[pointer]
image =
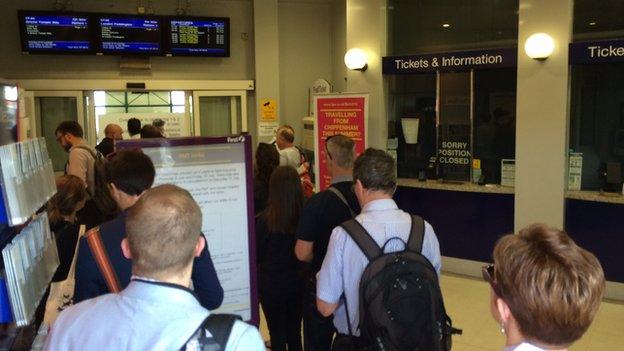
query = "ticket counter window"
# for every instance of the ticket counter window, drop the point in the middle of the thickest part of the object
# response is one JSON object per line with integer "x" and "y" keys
{"x": 442, "y": 120}
{"x": 596, "y": 139}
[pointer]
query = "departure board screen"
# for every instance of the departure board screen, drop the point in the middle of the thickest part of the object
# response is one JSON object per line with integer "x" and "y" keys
{"x": 195, "y": 36}
{"x": 129, "y": 35}
{"x": 52, "y": 32}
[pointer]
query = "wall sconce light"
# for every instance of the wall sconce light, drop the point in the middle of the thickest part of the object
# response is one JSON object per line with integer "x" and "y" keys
{"x": 539, "y": 46}
{"x": 356, "y": 59}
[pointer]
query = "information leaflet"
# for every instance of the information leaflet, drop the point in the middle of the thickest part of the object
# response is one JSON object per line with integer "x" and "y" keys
{"x": 217, "y": 172}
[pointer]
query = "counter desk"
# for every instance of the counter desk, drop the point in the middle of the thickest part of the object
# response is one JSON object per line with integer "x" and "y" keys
{"x": 469, "y": 218}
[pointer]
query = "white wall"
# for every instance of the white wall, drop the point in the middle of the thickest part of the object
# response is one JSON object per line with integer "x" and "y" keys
{"x": 339, "y": 45}
{"x": 238, "y": 66}
{"x": 305, "y": 55}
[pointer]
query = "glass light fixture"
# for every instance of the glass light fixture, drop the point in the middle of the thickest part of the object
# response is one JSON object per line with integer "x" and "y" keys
{"x": 356, "y": 59}
{"x": 539, "y": 46}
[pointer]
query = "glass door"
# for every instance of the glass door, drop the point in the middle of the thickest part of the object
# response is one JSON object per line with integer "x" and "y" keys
{"x": 52, "y": 108}
{"x": 218, "y": 113}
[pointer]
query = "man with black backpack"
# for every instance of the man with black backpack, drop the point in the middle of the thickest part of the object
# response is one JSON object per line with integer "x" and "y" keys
{"x": 380, "y": 274}
{"x": 157, "y": 311}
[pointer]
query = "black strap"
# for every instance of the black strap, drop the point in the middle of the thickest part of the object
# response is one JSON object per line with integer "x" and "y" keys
{"x": 220, "y": 327}
{"x": 342, "y": 198}
{"x": 363, "y": 240}
{"x": 417, "y": 234}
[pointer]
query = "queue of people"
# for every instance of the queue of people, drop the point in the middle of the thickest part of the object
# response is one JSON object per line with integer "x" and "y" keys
{"x": 313, "y": 267}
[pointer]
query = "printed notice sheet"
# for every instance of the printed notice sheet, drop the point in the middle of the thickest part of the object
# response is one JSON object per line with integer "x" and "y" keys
{"x": 215, "y": 176}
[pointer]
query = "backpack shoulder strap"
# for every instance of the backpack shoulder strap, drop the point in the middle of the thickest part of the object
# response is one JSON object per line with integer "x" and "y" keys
{"x": 363, "y": 240}
{"x": 417, "y": 234}
{"x": 94, "y": 153}
{"x": 220, "y": 326}
{"x": 343, "y": 199}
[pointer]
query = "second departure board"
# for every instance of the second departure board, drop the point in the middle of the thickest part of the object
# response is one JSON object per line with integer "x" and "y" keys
{"x": 50, "y": 32}
{"x": 129, "y": 34}
{"x": 194, "y": 36}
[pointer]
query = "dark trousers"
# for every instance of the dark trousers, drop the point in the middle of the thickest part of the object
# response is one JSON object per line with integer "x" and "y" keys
{"x": 318, "y": 331}
{"x": 283, "y": 317}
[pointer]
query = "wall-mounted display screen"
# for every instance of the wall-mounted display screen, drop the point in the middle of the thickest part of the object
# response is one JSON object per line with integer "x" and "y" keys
{"x": 196, "y": 36}
{"x": 129, "y": 34}
{"x": 53, "y": 32}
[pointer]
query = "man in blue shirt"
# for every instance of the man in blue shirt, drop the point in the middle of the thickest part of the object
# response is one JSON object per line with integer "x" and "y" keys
{"x": 129, "y": 174}
{"x": 375, "y": 182}
{"x": 156, "y": 311}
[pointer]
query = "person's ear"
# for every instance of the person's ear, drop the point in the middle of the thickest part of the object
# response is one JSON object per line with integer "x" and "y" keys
{"x": 125, "y": 249}
{"x": 503, "y": 311}
{"x": 199, "y": 247}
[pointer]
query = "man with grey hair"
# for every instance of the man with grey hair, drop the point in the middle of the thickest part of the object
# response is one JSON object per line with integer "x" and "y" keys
{"x": 375, "y": 182}
{"x": 322, "y": 213}
{"x": 157, "y": 311}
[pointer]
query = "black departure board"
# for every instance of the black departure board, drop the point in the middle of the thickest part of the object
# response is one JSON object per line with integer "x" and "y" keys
{"x": 129, "y": 34}
{"x": 195, "y": 36}
{"x": 53, "y": 32}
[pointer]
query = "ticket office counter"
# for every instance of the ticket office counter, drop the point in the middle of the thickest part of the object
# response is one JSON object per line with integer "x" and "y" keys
{"x": 468, "y": 220}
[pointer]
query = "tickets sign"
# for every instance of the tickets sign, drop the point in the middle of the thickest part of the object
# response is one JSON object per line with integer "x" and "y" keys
{"x": 344, "y": 114}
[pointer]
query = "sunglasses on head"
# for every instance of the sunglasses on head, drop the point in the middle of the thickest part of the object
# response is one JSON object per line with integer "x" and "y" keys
{"x": 488, "y": 276}
{"x": 326, "y": 142}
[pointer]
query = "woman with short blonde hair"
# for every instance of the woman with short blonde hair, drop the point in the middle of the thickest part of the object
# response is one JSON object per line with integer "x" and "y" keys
{"x": 546, "y": 290}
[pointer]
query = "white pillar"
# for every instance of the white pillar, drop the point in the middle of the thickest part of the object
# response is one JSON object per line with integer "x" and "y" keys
{"x": 542, "y": 115}
{"x": 366, "y": 29}
{"x": 266, "y": 46}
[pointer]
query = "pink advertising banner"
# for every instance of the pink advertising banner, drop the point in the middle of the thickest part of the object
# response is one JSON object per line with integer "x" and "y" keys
{"x": 344, "y": 114}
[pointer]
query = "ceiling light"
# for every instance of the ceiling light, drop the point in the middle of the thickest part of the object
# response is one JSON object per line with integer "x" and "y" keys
{"x": 446, "y": 25}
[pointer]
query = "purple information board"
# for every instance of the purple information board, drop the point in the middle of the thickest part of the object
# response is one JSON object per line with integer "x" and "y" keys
{"x": 604, "y": 51}
{"x": 218, "y": 173}
{"x": 451, "y": 61}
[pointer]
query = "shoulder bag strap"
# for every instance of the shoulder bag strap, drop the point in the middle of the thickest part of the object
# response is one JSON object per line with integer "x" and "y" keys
{"x": 72, "y": 268}
{"x": 417, "y": 234}
{"x": 343, "y": 199}
{"x": 101, "y": 258}
{"x": 363, "y": 240}
{"x": 85, "y": 147}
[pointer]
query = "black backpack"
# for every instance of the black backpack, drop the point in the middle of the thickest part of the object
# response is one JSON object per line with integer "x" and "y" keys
{"x": 401, "y": 306}
{"x": 100, "y": 195}
{"x": 219, "y": 326}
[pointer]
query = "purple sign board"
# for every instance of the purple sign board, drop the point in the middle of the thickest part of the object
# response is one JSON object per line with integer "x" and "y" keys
{"x": 451, "y": 61}
{"x": 605, "y": 51}
{"x": 218, "y": 174}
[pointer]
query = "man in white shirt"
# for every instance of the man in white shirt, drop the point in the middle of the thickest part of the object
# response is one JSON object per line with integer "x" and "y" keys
{"x": 374, "y": 176}
{"x": 289, "y": 154}
{"x": 157, "y": 311}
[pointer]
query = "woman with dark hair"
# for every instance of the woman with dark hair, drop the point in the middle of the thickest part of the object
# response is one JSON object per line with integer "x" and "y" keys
{"x": 280, "y": 280}
{"x": 267, "y": 159}
{"x": 70, "y": 197}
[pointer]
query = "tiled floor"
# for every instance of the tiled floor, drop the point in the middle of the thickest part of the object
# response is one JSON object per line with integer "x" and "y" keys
{"x": 467, "y": 302}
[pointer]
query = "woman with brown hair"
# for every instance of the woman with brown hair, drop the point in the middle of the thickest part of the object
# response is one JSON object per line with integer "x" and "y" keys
{"x": 280, "y": 280}
{"x": 62, "y": 207}
{"x": 267, "y": 159}
{"x": 546, "y": 290}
